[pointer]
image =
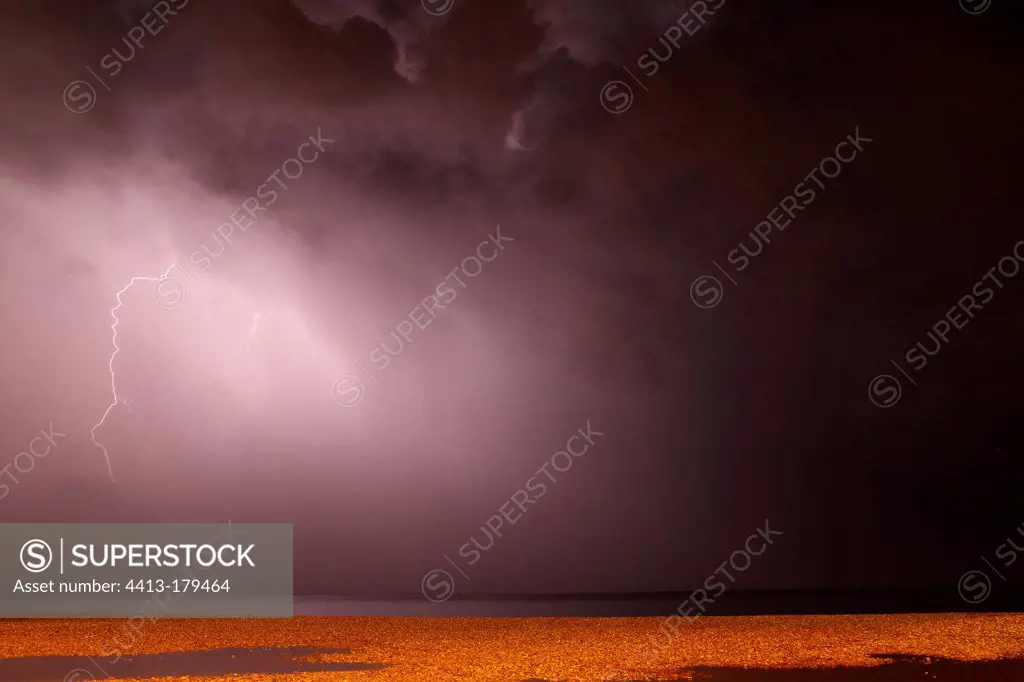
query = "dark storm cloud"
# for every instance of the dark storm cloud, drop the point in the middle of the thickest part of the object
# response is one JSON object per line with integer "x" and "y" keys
{"x": 592, "y": 33}
{"x": 408, "y": 25}
{"x": 445, "y": 127}
{"x": 167, "y": 155}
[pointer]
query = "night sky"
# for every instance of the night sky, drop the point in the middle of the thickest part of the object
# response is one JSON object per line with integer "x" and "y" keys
{"x": 438, "y": 126}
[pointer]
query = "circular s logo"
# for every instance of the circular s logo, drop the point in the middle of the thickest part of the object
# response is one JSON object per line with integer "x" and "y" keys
{"x": 974, "y": 587}
{"x": 438, "y": 8}
{"x": 438, "y": 585}
{"x": 975, "y": 6}
{"x": 706, "y": 291}
{"x": 884, "y": 390}
{"x": 616, "y": 97}
{"x": 348, "y": 391}
{"x": 36, "y": 556}
{"x": 168, "y": 292}
{"x": 79, "y": 675}
{"x": 79, "y": 97}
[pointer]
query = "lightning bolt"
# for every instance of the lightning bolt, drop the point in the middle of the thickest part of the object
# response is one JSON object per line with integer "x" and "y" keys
{"x": 110, "y": 364}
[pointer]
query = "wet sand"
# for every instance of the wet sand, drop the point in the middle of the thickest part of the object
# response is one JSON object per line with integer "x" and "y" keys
{"x": 890, "y": 648}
